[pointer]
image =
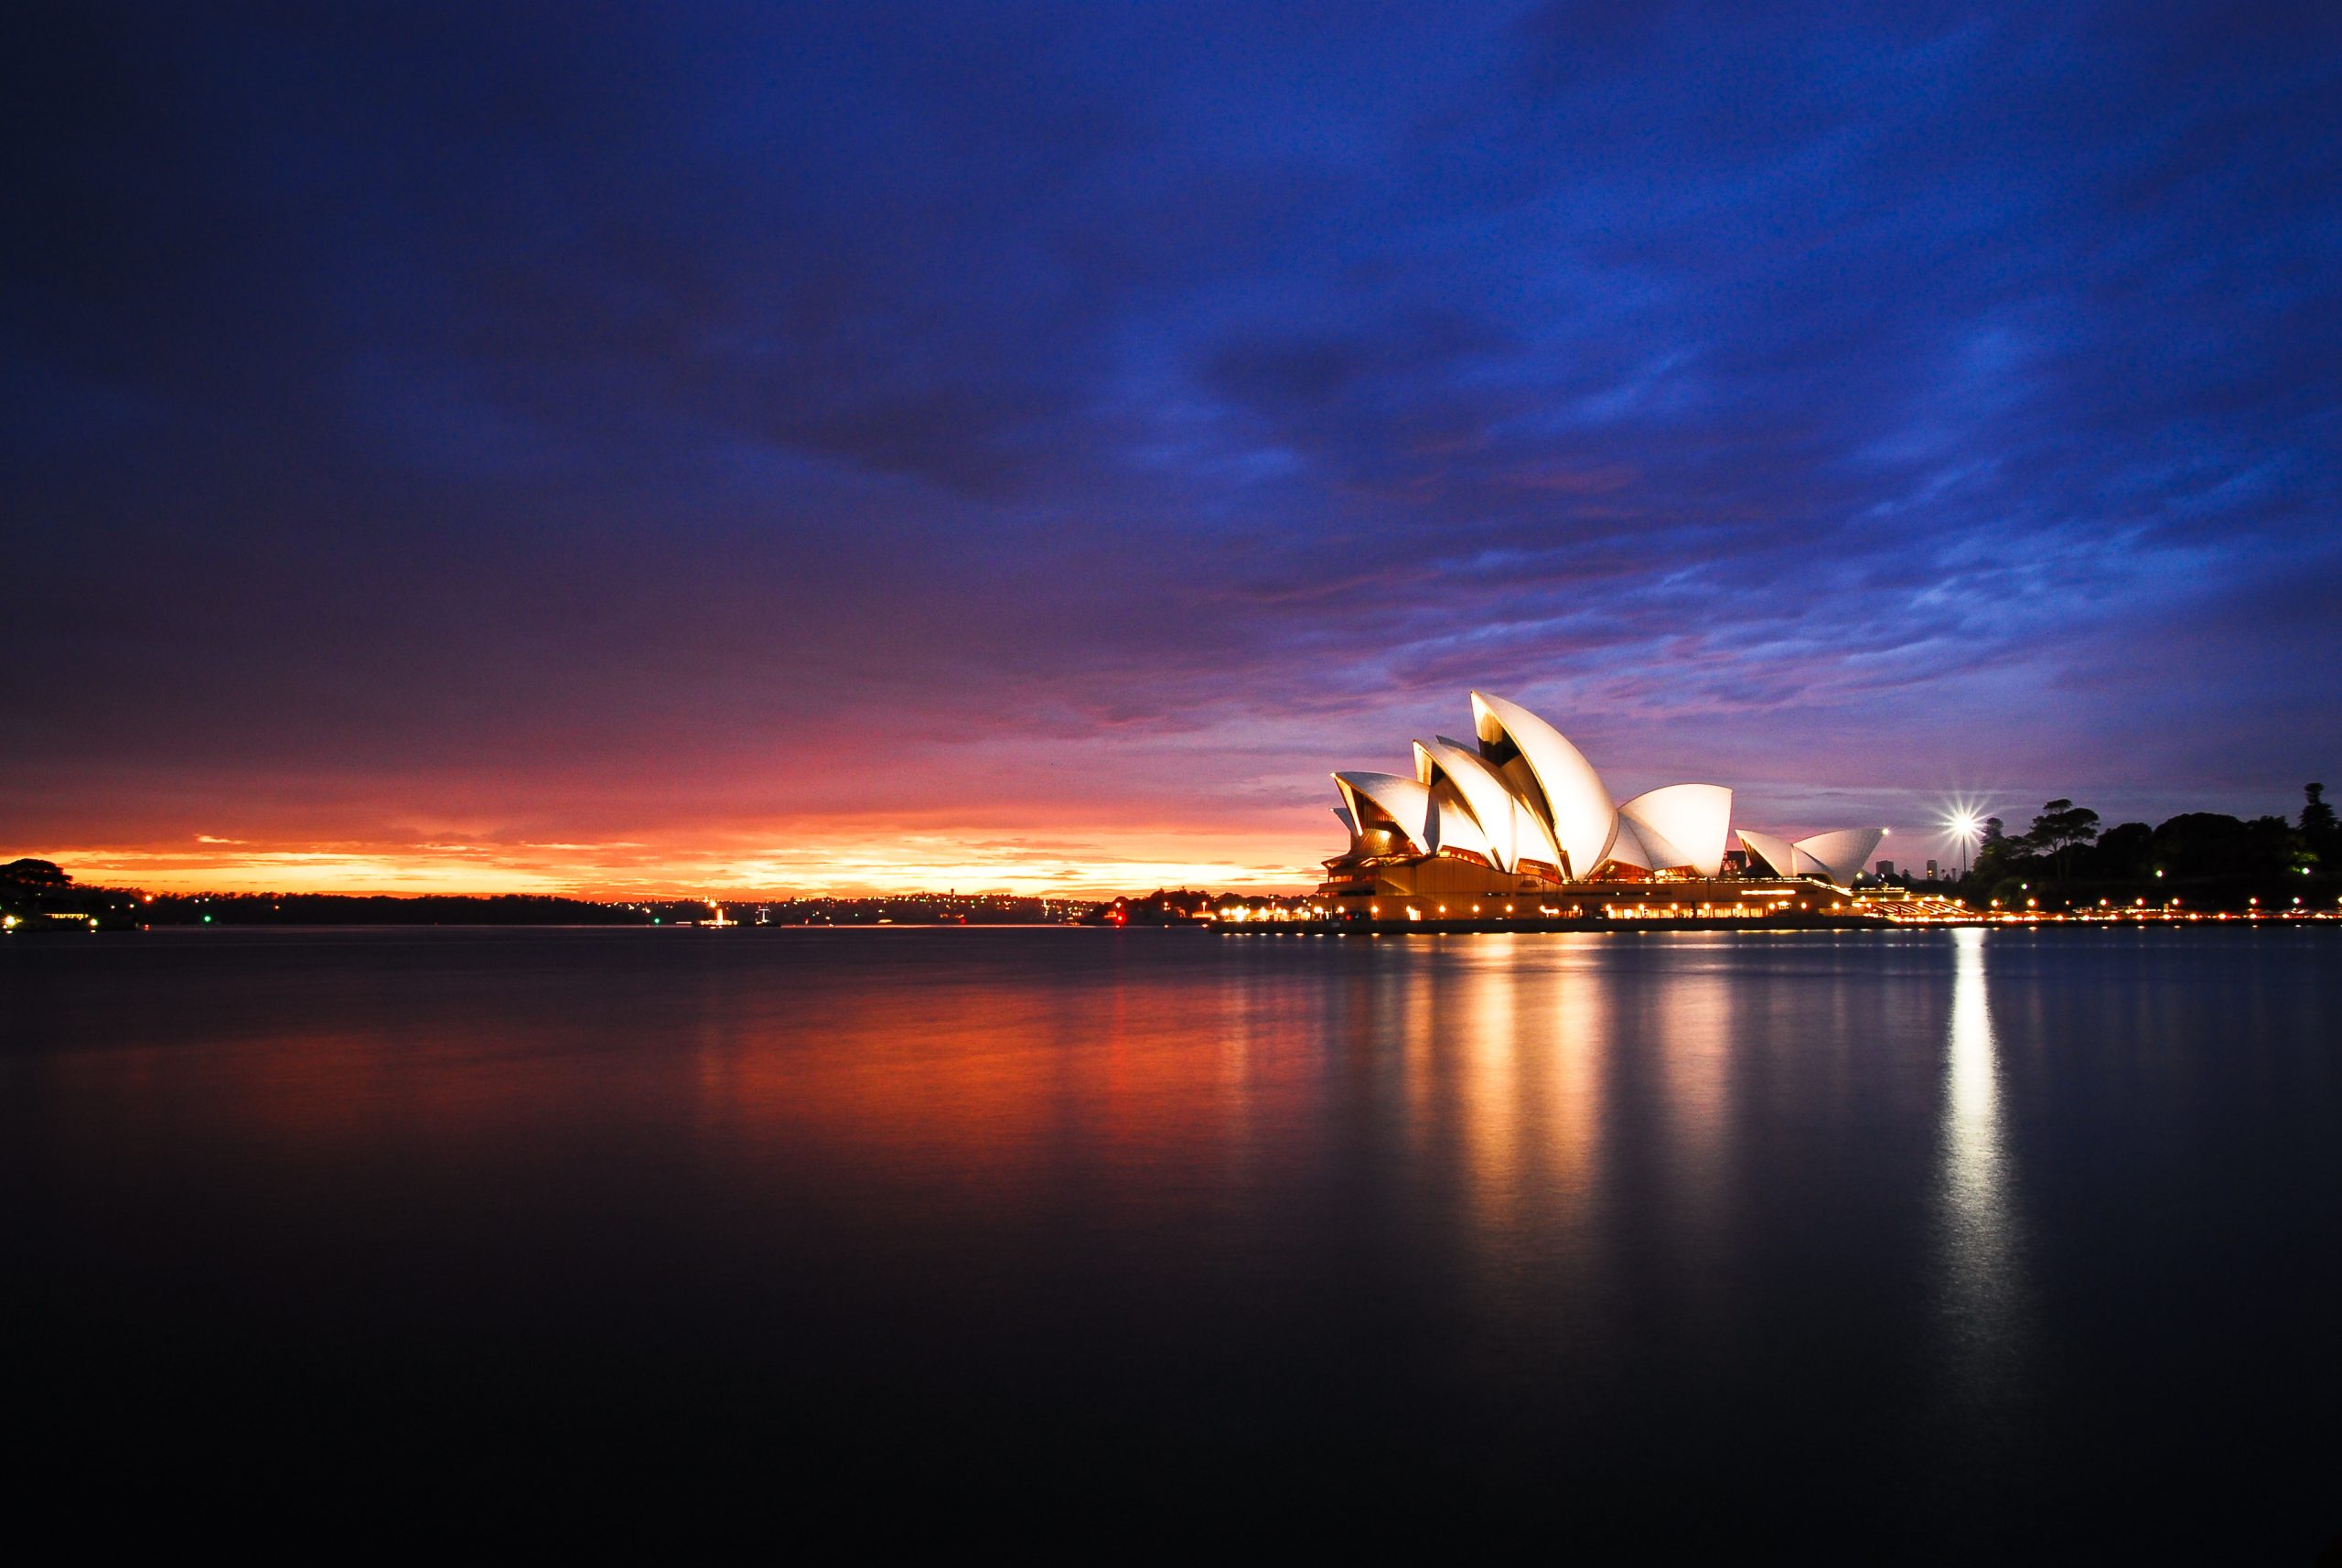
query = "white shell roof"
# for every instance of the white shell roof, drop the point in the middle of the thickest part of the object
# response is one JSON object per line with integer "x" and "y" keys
{"x": 1837, "y": 855}
{"x": 1683, "y": 824}
{"x": 1572, "y": 797}
{"x": 1396, "y": 796}
{"x": 1453, "y": 824}
{"x": 1626, "y": 848}
{"x": 1840, "y": 853}
{"x": 1511, "y": 825}
{"x": 1776, "y": 853}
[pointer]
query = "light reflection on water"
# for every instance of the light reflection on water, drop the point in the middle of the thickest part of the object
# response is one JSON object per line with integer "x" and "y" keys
{"x": 1982, "y": 1252}
{"x": 1571, "y": 1223}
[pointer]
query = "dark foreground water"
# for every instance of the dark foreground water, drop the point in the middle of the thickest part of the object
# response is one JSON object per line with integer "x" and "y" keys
{"x": 1956, "y": 1246}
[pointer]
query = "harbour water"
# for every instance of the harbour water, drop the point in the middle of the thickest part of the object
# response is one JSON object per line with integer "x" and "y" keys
{"x": 1905, "y": 1246}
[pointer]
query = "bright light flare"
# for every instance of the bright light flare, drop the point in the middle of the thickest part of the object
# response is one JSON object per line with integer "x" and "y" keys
{"x": 1964, "y": 821}
{"x": 1964, "y": 825}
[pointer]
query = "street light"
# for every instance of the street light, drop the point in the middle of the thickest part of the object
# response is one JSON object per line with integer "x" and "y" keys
{"x": 1965, "y": 826}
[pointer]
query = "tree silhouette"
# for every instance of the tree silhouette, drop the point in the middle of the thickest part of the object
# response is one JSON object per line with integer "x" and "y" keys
{"x": 2061, "y": 826}
{"x": 2317, "y": 820}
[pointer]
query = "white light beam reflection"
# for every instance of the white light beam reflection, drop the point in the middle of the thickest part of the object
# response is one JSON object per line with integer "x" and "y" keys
{"x": 1983, "y": 1284}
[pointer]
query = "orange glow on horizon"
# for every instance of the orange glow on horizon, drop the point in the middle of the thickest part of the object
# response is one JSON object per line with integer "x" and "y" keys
{"x": 735, "y": 865}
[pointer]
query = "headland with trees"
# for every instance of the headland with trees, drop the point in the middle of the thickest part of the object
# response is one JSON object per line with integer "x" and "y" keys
{"x": 2068, "y": 859}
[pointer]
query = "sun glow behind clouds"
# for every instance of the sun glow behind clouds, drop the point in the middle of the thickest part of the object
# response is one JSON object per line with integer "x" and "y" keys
{"x": 739, "y": 864}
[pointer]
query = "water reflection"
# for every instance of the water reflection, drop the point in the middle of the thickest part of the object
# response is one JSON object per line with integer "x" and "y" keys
{"x": 1558, "y": 1084}
{"x": 1980, "y": 1249}
{"x": 1496, "y": 1124}
{"x": 1601, "y": 1222}
{"x": 1691, "y": 1019}
{"x": 1525, "y": 1100}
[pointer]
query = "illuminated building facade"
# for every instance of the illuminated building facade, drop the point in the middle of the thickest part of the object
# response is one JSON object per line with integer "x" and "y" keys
{"x": 1516, "y": 823}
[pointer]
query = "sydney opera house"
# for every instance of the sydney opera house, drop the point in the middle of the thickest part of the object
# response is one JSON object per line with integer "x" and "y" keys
{"x": 1518, "y": 825}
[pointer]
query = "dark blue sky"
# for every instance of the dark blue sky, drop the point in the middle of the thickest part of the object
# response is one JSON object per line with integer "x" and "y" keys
{"x": 604, "y": 445}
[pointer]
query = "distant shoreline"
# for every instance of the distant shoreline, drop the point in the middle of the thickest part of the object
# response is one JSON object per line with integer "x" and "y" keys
{"x": 1833, "y": 925}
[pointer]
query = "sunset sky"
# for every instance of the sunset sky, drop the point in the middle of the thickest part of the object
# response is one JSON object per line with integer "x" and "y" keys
{"x": 703, "y": 448}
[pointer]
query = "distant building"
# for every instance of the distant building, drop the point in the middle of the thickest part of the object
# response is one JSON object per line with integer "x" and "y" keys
{"x": 1885, "y": 869}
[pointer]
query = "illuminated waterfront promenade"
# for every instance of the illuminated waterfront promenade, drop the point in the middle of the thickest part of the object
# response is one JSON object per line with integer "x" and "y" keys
{"x": 1757, "y": 906}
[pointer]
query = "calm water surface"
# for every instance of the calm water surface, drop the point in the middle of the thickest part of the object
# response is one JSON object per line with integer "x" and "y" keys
{"x": 1892, "y": 1246}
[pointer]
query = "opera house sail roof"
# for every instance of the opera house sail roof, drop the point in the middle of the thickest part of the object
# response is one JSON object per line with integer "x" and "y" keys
{"x": 1523, "y": 804}
{"x": 1838, "y": 856}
